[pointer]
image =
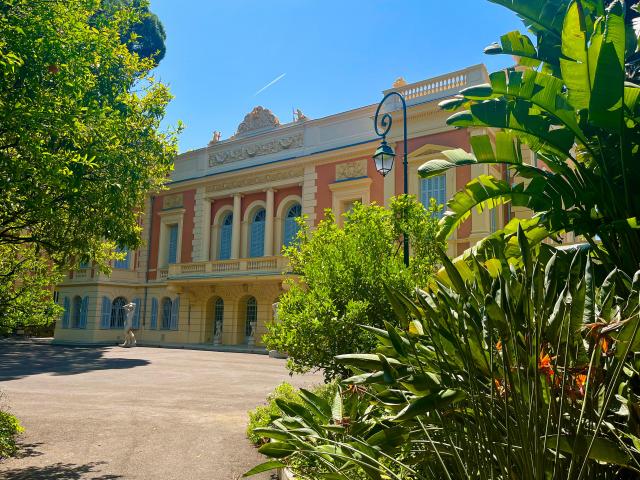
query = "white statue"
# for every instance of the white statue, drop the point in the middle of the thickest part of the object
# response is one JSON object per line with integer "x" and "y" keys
{"x": 129, "y": 337}
{"x": 217, "y": 336}
{"x": 252, "y": 333}
{"x": 275, "y": 307}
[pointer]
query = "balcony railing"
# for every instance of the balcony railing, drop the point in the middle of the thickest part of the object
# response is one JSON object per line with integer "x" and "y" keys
{"x": 218, "y": 268}
{"x": 442, "y": 86}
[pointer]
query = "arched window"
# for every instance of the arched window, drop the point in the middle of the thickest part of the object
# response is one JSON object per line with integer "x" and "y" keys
{"x": 118, "y": 314}
{"x": 291, "y": 226}
{"x": 77, "y": 312}
{"x": 218, "y": 316}
{"x": 225, "y": 237}
{"x": 166, "y": 313}
{"x": 252, "y": 315}
{"x": 256, "y": 241}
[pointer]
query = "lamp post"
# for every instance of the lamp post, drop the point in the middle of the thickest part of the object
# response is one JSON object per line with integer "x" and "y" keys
{"x": 384, "y": 155}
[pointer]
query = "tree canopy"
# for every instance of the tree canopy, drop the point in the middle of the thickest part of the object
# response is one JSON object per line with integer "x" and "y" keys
{"x": 344, "y": 272}
{"x": 80, "y": 139}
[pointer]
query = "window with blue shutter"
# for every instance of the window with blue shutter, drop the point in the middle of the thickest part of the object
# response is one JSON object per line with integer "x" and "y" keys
{"x": 291, "y": 226}
{"x": 175, "y": 313}
{"x": 105, "y": 318}
{"x": 173, "y": 244}
{"x": 166, "y": 313}
{"x": 84, "y": 310}
{"x": 436, "y": 188}
{"x": 135, "y": 323}
{"x": 226, "y": 231}
{"x": 66, "y": 313}
{"x": 76, "y": 312}
{"x": 118, "y": 314}
{"x": 256, "y": 243}
{"x": 154, "y": 314}
{"x": 123, "y": 264}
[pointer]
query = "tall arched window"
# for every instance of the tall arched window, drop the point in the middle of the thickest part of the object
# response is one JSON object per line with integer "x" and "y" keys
{"x": 118, "y": 314}
{"x": 77, "y": 312}
{"x": 218, "y": 316}
{"x": 436, "y": 188}
{"x": 166, "y": 313}
{"x": 252, "y": 315}
{"x": 256, "y": 241}
{"x": 226, "y": 230}
{"x": 291, "y": 226}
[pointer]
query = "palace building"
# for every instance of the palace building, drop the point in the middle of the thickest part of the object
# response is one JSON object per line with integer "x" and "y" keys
{"x": 211, "y": 268}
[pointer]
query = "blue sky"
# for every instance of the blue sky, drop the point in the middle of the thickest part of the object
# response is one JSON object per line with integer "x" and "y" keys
{"x": 336, "y": 55}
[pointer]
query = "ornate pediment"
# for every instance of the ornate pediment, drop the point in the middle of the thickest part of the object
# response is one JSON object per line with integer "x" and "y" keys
{"x": 219, "y": 156}
{"x": 259, "y": 118}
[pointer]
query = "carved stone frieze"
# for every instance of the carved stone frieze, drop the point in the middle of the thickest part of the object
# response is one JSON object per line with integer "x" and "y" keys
{"x": 351, "y": 169}
{"x": 249, "y": 180}
{"x": 172, "y": 201}
{"x": 222, "y": 156}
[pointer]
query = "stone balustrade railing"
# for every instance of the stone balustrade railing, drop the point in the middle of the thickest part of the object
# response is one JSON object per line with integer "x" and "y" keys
{"x": 276, "y": 265}
{"x": 442, "y": 86}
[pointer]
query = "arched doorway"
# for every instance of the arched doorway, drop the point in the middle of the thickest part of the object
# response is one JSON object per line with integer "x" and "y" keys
{"x": 118, "y": 314}
{"x": 250, "y": 320}
{"x": 214, "y": 326}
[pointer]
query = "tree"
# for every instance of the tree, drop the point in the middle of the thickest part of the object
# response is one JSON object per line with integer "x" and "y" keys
{"x": 344, "y": 273}
{"x": 146, "y": 36}
{"x": 80, "y": 139}
{"x": 569, "y": 103}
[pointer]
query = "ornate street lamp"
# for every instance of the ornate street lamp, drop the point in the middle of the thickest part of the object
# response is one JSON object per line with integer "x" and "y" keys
{"x": 384, "y": 156}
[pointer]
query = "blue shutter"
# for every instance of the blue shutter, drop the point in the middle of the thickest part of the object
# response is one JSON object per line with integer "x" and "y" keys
{"x": 124, "y": 264}
{"x": 136, "y": 315}
{"x": 173, "y": 244}
{"x": 105, "y": 321}
{"x": 256, "y": 246}
{"x": 154, "y": 313}
{"x": 65, "y": 314}
{"x": 84, "y": 307}
{"x": 175, "y": 312}
{"x": 436, "y": 188}
{"x": 226, "y": 231}
{"x": 291, "y": 224}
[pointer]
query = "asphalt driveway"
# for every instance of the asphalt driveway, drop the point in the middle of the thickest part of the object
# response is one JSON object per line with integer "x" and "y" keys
{"x": 141, "y": 413}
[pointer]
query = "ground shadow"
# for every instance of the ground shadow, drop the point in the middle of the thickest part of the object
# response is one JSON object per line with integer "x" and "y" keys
{"x": 28, "y": 450}
{"x": 22, "y": 360}
{"x": 59, "y": 471}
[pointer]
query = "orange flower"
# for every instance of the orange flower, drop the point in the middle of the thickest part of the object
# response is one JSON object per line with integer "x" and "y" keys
{"x": 499, "y": 345}
{"x": 604, "y": 345}
{"x": 581, "y": 382}
{"x": 502, "y": 391}
{"x": 544, "y": 364}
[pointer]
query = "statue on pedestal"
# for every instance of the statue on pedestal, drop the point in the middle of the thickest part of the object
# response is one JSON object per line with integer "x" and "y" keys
{"x": 252, "y": 335}
{"x": 129, "y": 337}
{"x": 217, "y": 335}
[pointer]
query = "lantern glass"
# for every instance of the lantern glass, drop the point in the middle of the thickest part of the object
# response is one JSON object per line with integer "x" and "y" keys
{"x": 383, "y": 158}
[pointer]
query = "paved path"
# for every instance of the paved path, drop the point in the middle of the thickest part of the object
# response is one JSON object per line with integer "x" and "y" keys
{"x": 143, "y": 413}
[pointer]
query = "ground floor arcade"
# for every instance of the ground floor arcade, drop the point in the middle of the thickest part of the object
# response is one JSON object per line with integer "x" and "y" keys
{"x": 215, "y": 313}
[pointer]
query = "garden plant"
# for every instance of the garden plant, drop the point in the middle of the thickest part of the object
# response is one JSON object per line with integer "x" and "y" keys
{"x": 521, "y": 358}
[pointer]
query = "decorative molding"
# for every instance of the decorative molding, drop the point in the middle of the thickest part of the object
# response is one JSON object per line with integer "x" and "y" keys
{"x": 255, "y": 150}
{"x": 351, "y": 169}
{"x": 258, "y": 119}
{"x": 255, "y": 179}
{"x": 172, "y": 201}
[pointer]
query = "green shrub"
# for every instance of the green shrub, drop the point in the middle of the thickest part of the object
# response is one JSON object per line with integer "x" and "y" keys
{"x": 263, "y": 415}
{"x": 9, "y": 429}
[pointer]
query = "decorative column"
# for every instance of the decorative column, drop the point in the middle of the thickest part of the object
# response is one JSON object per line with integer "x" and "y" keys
{"x": 205, "y": 230}
{"x": 235, "y": 229}
{"x": 268, "y": 225}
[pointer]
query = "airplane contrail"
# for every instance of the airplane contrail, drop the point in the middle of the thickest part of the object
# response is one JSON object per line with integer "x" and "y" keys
{"x": 277, "y": 79}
